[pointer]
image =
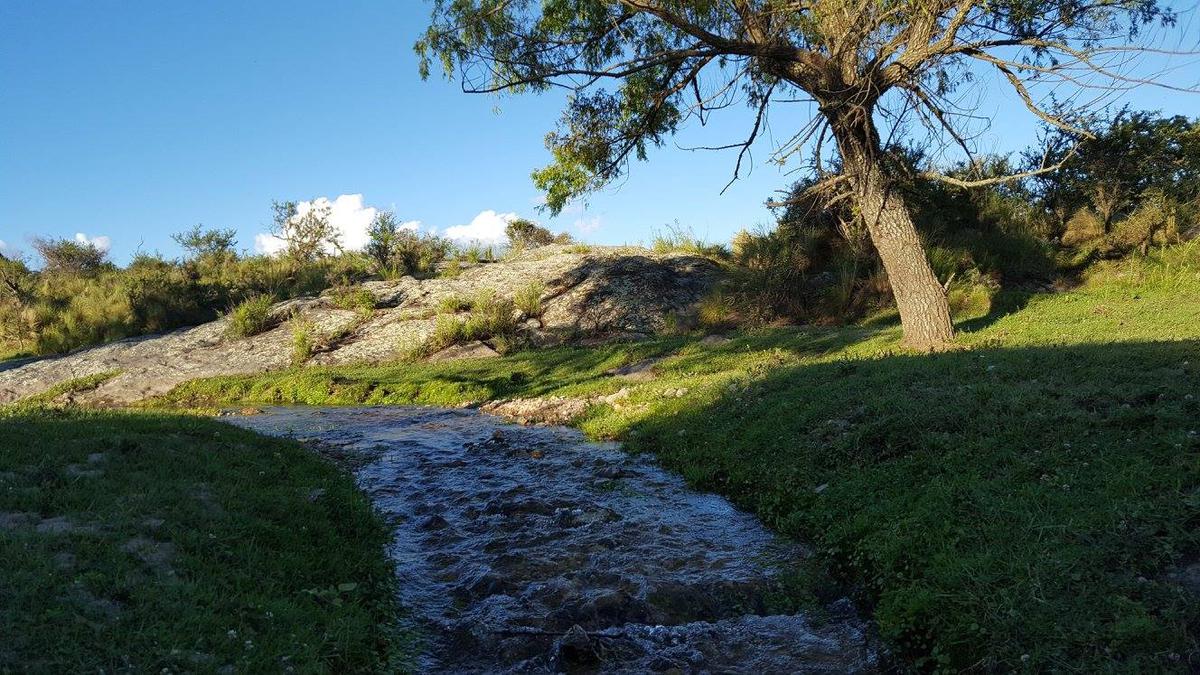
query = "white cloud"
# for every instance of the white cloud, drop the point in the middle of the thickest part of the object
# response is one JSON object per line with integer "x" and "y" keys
{"x": 268, "y": 244}
{"x": 589, "y": 225}
{"x": 3, "y": 246}
{"x": 102, "y": 243}
{"x": 349, "y": 217}
{"x": 485, "y": 228}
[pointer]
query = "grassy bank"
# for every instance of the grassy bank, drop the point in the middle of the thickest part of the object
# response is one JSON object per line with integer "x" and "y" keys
{"x": 149, "y": 542}
{"x": 1017, "y": 504}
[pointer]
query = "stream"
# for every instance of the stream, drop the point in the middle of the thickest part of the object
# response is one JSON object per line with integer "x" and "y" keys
{"x": 532, "y": 550}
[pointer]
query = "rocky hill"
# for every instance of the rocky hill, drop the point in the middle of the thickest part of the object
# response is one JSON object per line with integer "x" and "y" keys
{"x": 588, "y": 294}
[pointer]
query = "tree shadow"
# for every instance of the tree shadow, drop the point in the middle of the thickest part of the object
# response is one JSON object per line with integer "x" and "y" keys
{"x": 1003, "y": 304}
{"x": 988, "y": 503}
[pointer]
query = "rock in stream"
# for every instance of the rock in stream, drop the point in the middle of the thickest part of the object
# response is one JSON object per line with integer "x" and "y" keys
{"x": 529, "y": 550}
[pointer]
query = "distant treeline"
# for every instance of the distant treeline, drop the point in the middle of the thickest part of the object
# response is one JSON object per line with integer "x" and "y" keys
{"x": 1134, "y": 184}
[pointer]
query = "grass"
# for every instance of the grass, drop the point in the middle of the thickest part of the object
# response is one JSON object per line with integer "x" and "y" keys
{"x": 251, "y": 317}
{"x": 303, "y": 338}
{"x": 152, "y": 542}
{"x": 1016, "y": 504}
{"x": 529, "y": 299}
{"x": 358, "y": 300}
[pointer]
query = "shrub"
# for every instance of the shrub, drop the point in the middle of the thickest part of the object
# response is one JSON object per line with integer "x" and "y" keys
{"x": 303, "y": 338}
{"x": 491, "y": 316}
{"x": 715, "y": 310}
{"x": 524, "y": 234}
{"x": 451, "y": 270}
{"x": 476, "y": 253}
{"x": 970, "y": 296}
{"x": 1084, "y": 226}
{"x": 309, "y": 235}
{"x": 529, "y": 299}
{"x": 251, "y": 317}
{"x": 491, "y": 319}
{"x": 452, "y": 304}
{"x": 358, "y": 300}
{"x": 207, "y": 245}
{"x": 71, "y": 257}
{"x": 396, "y": 250}
{"x": 447, "y": 332}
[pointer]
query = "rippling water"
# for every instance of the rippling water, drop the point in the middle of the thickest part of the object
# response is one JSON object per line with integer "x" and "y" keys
{"x": 530, "y": 549}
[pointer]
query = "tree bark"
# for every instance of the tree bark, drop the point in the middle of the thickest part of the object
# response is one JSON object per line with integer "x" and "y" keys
{"x": 924, "y": 310}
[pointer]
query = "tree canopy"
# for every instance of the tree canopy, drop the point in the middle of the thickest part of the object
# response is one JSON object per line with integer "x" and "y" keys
{"x": 637, "y": 70}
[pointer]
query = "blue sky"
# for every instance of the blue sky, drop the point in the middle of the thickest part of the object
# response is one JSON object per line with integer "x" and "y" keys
{"x": 133, "y": 120}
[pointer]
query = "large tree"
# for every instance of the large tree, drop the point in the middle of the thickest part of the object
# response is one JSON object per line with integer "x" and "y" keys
{"x": 638, "y": 69}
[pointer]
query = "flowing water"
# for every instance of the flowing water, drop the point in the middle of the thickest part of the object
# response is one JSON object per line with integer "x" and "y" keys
{"x": 530, "y": 549}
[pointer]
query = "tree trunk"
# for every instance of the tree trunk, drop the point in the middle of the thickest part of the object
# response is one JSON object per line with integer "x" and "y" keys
{"x": 924, "y": 311}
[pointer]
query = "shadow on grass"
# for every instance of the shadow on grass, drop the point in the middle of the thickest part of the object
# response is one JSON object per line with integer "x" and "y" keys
{"x": 143, "y": 542}
{"x": 1005, "y": 303}
{"x": 999, "y": 509}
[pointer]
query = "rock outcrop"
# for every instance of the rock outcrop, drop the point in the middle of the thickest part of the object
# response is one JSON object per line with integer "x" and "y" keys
{"x": 595, "y": 294}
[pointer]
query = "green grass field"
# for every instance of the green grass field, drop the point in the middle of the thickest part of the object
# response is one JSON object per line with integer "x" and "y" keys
{"x": 152, "y": 542}
{"x": 1015, "y": 504}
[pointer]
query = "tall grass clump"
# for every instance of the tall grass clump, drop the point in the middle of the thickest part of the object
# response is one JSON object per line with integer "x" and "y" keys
{"x": 358, "y": 300}
{"x": 453, "y": 304}
{"x": 492, "y": 319}
{"x": 715, "y": 311}
{"x": 304, "y": 338}
{"x": 251, "y": 317}
{"x": 529, "y": 299}
{"x": 676, "y": 238}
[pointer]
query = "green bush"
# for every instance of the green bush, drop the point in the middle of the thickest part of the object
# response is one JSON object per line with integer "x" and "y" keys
{"x": 251, "y": 317}
{"x": 396, "y": 250}
{"x": 525, "y": 234}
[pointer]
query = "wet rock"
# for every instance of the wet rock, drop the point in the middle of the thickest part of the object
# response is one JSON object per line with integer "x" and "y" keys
{"x": 574, "y": 650}
{"x": 434, "y": 523}
{"x": 611, "y": 472}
